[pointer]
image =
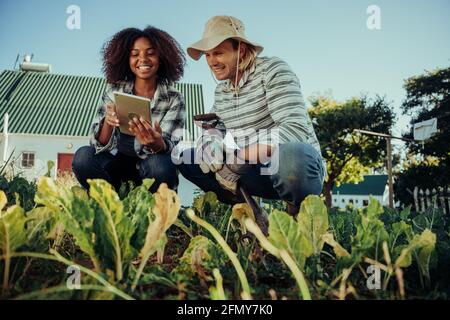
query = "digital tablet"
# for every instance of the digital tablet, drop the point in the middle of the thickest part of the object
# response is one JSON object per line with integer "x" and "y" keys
{"x": 129, "y": 106}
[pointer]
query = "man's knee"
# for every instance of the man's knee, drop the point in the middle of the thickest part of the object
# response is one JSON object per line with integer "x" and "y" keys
{"x": 300, "y": 159}
{"x": 301, "y": 172}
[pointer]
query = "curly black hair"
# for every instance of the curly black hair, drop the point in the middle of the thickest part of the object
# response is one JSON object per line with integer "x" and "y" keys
{"x": 116, "y": 54}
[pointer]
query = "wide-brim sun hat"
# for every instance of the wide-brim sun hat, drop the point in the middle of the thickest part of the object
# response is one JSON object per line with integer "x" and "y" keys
{"x": 217, "y": 30}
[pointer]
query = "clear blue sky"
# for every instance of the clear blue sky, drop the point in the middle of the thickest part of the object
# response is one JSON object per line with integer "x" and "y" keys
{"x": 327, "y": 43}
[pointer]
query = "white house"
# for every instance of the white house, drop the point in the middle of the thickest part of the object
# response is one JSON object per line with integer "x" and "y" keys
{"x": 47, "y": 116}
{"x": 358, "y": 194}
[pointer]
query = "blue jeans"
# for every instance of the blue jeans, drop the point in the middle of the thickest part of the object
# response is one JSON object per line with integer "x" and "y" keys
{"x": 300, "y": 173}
{"x": 120, "y": 168}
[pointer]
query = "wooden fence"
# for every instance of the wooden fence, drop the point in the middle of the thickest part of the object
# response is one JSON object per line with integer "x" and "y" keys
{"x": 424, "y": 199}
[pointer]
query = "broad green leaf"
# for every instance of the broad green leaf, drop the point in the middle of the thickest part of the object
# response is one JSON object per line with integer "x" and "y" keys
{"x": 374, "y": 210}
{"x": 42, "y": 225}
{"x": 205, "y": 203}
{"x": 23, "y": 192}
{"x": 423, "y": 245}
{"x": 339, "y": 251}
{"x": 200, "y": 258}
{"x": 313, "y": 221}
{"x": 138, "y": 204}
{"x": 3, "y": 200}
{"x": 50, "y": 196}
{"x": 80, "y": 193}
{"x": 112, "y": 228}
{"x": 405, "y": 212}
{"x": 12, "y": 236}
{"x": 156, "y": 274}
{"x": 103, "y": 193}
{"x": 12, "y": 229}
{"x": 404, "y": 260}
{"x": 402, "y": 227}
{"x": 370, "y": 232}
{"x": 285, "y": 233}
{"x": 398, "y": 230}
{"x": 75, "y": 212}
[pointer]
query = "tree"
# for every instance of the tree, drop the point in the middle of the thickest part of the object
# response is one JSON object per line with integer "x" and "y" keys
{"x": 350, "y": 155}
{"x": 424, "y": 173}
{"x": 428, "y": 96}
{"x": 428, "y": 164}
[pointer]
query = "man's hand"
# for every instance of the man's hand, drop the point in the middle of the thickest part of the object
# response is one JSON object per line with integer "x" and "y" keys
{"x": 209, "y": 155}
{"x": 230, "y": 174}
{"x": 146, "y": 135}
{"x": 210, "y": 147}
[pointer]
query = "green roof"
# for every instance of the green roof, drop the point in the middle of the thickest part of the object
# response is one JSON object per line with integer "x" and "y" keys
{"x": 371, "y": 185}
{"x": 53, "y": 104}
{"x": 193, "y": 98}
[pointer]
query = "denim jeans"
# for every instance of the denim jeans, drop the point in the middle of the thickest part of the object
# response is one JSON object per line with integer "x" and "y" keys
{"x": 120, "y": 168}
{"x": 300, "y": 173}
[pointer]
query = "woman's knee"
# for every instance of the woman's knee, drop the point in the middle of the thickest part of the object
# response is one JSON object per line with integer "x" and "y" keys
{"x": 159, "y": 167}
{"x": 82, "y": 159}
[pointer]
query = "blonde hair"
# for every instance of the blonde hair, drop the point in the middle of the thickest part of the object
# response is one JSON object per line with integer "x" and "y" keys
{"x": 249, "y": 57}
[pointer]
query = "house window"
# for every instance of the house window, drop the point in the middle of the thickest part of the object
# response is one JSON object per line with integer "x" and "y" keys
{"x": 350, "y": 201}
{"x": 28, "y": 159}
{"x": 356, "y": 200}
{"x": 365, "y": 203}
{"x": 343, "y": 200}
{"x": 335, "y": 200}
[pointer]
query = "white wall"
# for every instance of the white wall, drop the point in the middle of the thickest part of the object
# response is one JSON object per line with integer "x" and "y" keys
{"x": 45, "y": 148}
{"x": 341, "y": 201}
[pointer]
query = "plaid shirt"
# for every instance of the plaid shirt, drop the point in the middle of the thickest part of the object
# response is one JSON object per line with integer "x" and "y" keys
{"x": 167, "y": 108}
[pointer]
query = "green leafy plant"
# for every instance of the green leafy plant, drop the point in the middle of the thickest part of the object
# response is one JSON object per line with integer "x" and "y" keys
{"x": 246, "y": 293}
{"x": 12, "y": 235}
{"x": 164, "y": 214}
{"x": 200, "y": 258}
{"x": 294, "y": 241}
{"x": 112, "y": 237}
{"x": 109, "y": 231}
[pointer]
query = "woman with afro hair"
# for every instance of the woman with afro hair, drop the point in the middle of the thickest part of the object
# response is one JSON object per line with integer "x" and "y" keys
{"x": 144, "y": 63}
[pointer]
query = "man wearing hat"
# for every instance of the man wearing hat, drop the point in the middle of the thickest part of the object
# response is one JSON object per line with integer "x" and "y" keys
{"x": 258, "y": 100}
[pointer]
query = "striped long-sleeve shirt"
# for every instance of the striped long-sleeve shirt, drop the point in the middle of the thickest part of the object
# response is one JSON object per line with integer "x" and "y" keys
{"x": 167, "y": 108}
{"x": 268, "y": 97}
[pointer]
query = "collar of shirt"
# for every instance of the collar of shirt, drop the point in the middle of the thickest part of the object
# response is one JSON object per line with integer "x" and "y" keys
{"x": 161, "y": 92}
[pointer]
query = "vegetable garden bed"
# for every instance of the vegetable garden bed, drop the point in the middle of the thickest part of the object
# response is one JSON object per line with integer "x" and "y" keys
{"x": 64, "y": 243}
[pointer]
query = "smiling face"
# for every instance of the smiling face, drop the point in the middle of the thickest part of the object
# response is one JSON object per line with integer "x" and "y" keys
{"x": 144, "y": 60}
{"x": 223, "y": 59}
